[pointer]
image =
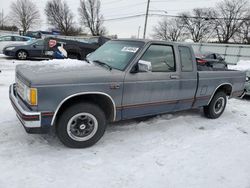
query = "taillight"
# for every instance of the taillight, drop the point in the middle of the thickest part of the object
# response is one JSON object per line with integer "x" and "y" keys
{"x": 201, "y": 61}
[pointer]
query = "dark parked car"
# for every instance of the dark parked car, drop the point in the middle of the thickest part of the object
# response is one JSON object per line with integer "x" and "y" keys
{"x": 13, "y": 40}
{"x": 41, "y": 34}
{"x": 42, "y": 48}
{"x": 31, "y": 49}
{"x": 76, "y": 49}
{"x": 206, "y": 60}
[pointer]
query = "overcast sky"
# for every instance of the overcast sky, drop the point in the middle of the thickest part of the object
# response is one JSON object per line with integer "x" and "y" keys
{"x": 121, "y": 8}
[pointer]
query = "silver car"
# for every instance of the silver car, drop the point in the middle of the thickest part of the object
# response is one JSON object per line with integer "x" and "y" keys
{"x": 12, "y": 39}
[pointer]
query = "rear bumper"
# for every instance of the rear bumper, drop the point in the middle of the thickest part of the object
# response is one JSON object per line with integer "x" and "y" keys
{"x": 33, "y": 122}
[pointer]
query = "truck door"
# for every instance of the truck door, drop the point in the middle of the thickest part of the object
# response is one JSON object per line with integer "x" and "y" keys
{"x": 188, "y": 78}
{"x": 153, "y": 92}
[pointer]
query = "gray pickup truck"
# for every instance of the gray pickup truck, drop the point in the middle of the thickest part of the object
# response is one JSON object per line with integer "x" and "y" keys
{"x": 123, "y": 79}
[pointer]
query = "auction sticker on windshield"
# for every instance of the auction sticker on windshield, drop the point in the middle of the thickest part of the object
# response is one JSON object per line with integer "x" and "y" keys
{"x": 130, "y": 49}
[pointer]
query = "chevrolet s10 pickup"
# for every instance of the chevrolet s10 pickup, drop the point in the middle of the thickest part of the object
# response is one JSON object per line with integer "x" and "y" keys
{"x": 123, "y": 79}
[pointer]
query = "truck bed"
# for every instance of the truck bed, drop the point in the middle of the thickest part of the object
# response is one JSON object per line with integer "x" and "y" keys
{"x": 210, "y": 81}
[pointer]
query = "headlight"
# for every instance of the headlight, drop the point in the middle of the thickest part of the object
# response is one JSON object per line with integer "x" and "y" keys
{"x": 31, "y": 96}
{"x": 10, "y": 48}
{"x": 26, "y": 93}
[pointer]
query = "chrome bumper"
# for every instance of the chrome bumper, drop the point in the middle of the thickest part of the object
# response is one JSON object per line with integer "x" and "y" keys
{"x": 27, "y": 118}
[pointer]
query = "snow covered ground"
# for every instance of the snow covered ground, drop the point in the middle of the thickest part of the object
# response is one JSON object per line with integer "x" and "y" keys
{"x": 174, "y": 150}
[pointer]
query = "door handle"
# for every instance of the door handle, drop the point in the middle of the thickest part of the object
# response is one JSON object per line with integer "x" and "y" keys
{"x": 174, "y": 77}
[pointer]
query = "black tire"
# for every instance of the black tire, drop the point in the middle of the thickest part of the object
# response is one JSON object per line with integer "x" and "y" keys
{"x": 76, "y": 126}
{"x": 217, "y": 106}
{"x": 22, "y": 55}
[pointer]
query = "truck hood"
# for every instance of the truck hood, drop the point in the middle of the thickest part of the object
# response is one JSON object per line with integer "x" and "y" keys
{"x": 58, "y": 72}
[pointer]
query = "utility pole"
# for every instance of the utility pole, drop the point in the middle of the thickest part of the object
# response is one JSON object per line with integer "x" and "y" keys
{"x": 146, "y": 21}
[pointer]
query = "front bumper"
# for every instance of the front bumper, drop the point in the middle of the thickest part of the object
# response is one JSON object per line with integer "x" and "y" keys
{"x": 9, "y": 53}
{"x": 33, "y": 122}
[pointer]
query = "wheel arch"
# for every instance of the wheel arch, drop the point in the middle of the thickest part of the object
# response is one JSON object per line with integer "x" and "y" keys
{"x": 22, "y": 50}
{"x": 225, "y": 87}
{"x": 103, "y": 100}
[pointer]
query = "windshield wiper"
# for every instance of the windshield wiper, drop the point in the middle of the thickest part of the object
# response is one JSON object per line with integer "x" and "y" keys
{"x": 103, "y": 64}
{"x": 87, "y": 60}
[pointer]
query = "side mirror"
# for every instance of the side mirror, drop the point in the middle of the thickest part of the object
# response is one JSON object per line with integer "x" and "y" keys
{"x": 34, "y": 46}
{"x": 144, "y": 66}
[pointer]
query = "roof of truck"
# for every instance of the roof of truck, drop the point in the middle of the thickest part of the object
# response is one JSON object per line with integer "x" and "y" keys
{"x": 154, "y": 41}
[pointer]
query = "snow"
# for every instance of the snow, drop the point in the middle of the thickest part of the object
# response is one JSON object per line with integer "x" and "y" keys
{"x": 63, "y": 62}
{"x": 242, "y": 65}
{"x": 55, "y": 65}
{"x": 177, "y": 150}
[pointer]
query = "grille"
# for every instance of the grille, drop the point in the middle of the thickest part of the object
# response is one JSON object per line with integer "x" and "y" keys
{"x": 20, "y": 88}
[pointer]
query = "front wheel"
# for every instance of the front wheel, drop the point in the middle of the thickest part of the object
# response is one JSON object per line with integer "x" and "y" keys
{"x": 81, "y": 125}
{"x": 217, "y": 106}
{"x": 22, "y": 55}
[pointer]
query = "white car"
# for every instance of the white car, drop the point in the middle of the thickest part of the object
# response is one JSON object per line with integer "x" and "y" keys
{"x": 12, "y": 39}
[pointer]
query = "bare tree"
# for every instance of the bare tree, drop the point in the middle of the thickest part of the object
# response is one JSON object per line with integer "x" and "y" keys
{"x": 168, "y": 29}
{"x": 91, "y": 16}
{"x": 60, "y": 16}
{"x": 197, "y": 24}
{"x": 246, "y": 31}
{"x": 229, "y": 18}
{"x": 24, "y": 14}
{"x": 243, "y": 34}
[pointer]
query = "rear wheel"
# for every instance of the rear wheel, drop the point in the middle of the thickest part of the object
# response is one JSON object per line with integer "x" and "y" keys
{"x": 81, "y": 125}
{"x": 22, "y": 55}
{"x": 217, "y": 106}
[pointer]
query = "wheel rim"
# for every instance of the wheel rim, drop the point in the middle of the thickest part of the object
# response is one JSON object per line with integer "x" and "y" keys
{"x": 219, "y": 105}
{"x": 82, "y": 127}
{"x": 22, "y": 55}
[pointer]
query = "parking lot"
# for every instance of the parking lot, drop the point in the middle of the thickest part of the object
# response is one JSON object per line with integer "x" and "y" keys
{"x": 173, "y": 150}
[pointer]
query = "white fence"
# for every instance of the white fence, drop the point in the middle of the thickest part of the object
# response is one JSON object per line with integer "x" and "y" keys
{"x": 231, "y": 52}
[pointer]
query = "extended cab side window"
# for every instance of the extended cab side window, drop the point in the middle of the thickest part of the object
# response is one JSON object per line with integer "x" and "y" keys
{"x": 186, "y": 59}
{"x": 161, "y": 57}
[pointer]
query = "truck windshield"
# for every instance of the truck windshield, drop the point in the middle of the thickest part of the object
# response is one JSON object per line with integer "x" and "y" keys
{"x": 117, "y": 54}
